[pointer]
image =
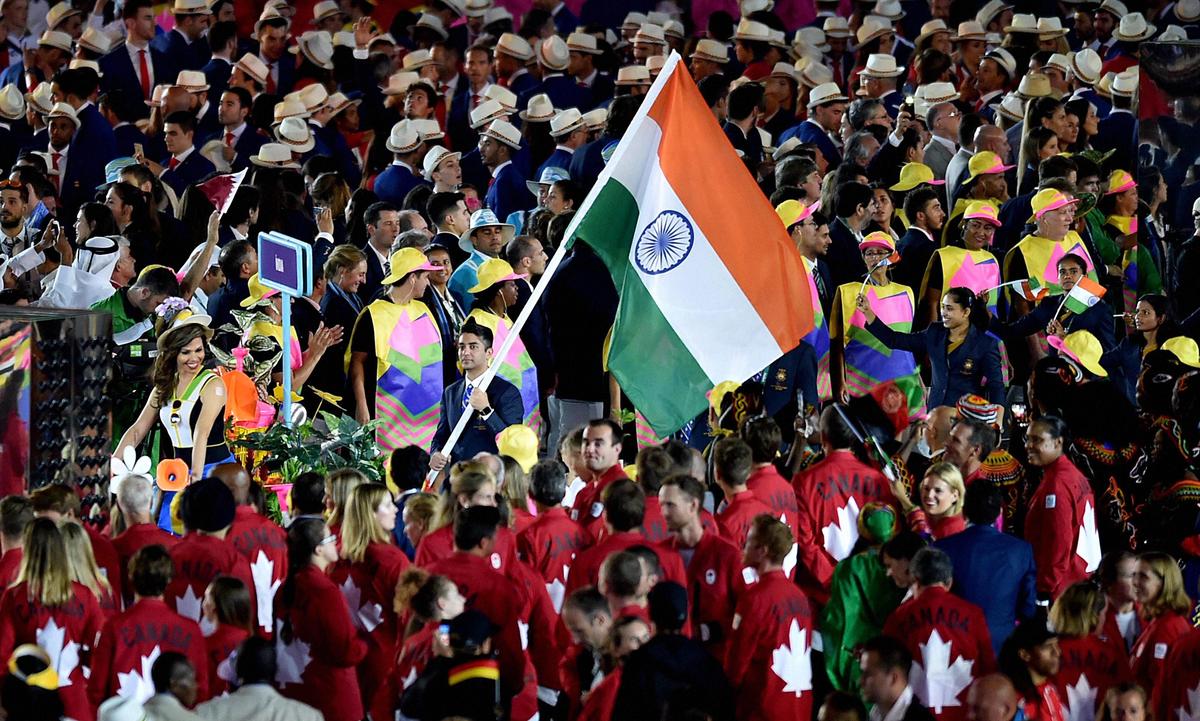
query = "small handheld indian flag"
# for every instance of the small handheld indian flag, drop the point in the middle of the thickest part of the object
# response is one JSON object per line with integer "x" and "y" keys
{"x": 1032, "y": 290}
{"x": 1085, "y": 294}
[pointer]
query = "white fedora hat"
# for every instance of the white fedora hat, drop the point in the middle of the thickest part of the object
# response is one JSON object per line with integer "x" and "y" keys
{"x": 811, "y": 74}
{"x": 291, "y": 106}
{"x": 813, "y": 36}
{"x": 711, "y": 50}
{"x": 633, "y": 75}
{"x": 1050, "y": 28}
{"x": 317, "y": 46}
{"x": 404, "y": 138}
{"x": 937, "y": 93}
{"x": 92, "y": 65}
{"x": 504, "y": 132}
{"x": 873, "y": 27}
{"x": 63, "y": 110}
{"x": 428, "y": 129}
{"x": 399, "y": 82}
{"x": 325, "y": 9}
{"x": 417, "y": 59}
{"x": 990, "y": 10}
{"x": 836, "y": 26}
{"x": 933, "y": 27}
{"x": 191, "y": 7}
{"x": 753, "y": 31}
{"x": 566, "y": 122}
{"x": 650, "y": 34}
{"x": 41, "y": 99}
{"x": 514, "y": 46}
{"x": 595, "y": 119}
{"x": 1125, "y": 84}
{"x": 554, "y": 54}
{"x": 1004, "y": 59}
{"x": 583, "y": 43}
{"x": 55, "y": 39}
{"x": 313, "y": 96}
{"x": 1187, "y": 11}
{"x": 1011, "y": 107}
{"x": 634, "y": 20}
{"x": 96, "y": 40}
{"x": 477, "y": 8}
{"x": 1134, "y": 29}
{"x": 880, "y": 65}
{"x": 251, "y": 65}
{"x": 1086, "y": 65}
{"x": 1116, "y": 8}
{"x": 969, "y": 30}
{"x": 275, "y": 155}
{"x": 539, "y": 110}
{"x": 826, "y": 93}
{"x": 1022, "y": 23}
{"x": 486, "y": 112}
{"x": 12, "y": 103}
{"x": 295, "y": 134}
{"x": 434, "y": 158}
{"x": 432, "y": 23}
{"x": 890, "y": 9}
{"x": 192, "y": 81}
{"x": 502, "y": 95}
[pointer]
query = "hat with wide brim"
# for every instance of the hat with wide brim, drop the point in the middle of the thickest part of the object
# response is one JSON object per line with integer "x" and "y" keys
{"x": 1134, "y": 29}
{"x": 982, "y": 210}
{"x": 317, "y": 46}
{"x": 275, "y": 155}
{"x": 258, "y": 292}
{"x": 405, "y": 261}
{"x": 183, "y": 319}
{"x": 914, "y": 174}
{"x": 550, "y": 176}
{"x": 881, "y": 65}
{"x": 296, "y": 135}
{"x": 794, "y": 211}
{"x": 484, "y": 218}
{"x": 1185, "y": 349}
{"x": 491, "y": 272}
{"x": 1082, "y": 348}
{"x": 434, "y": 158}
{"x": 1048, "y": 200}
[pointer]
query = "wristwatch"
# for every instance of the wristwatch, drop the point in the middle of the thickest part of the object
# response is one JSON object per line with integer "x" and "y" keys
{"x": 485, "y": 413}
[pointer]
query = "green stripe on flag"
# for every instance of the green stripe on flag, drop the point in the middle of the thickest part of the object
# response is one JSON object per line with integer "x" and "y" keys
{"x": 654, "y": 367}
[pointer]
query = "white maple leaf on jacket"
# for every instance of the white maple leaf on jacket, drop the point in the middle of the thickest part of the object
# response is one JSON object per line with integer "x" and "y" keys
{"x": 1192, "y": 713}
{"x": 366, "y": 616}
{"x": 265, "y": 586}
{"x": 1081, "y": 700}
{"x": 792, "y": 662}
{"x": 935, "y": 680}
{"x": 841, "y": 536}
{"x": 293, "y": 658}
{"x": 137, "y": 683}
{"x": 188, "y": 605}
{"x": 1088, "y": 547}
{"x": 64, "y": 654}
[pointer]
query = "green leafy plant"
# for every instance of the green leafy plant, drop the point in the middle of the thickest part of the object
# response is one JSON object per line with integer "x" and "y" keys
{"x": 336, "y": 442}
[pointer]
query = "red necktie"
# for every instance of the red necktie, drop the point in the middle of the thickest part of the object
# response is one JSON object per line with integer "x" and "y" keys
{"x": 144, "y": 69}
{"x": 173, "y": 163}
{"x": 583, "y": 85}
{"x": 474, "y": 100}
{"x": 229, "y": 138}
{"x": 54, "y": 159}
{"x": 270, "y": 79}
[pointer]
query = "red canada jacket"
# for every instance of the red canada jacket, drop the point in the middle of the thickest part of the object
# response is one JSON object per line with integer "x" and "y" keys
{"x": 414, "y": 654}
{"x": 1172, "y": 694}
{"x": 134, "y": 539}
{"x": 487, "y": 590}
{"x": 219, "y": 647}
{"x": 588, "y": 509}
{"x": 540, "y": 619}
{"x": 768, "y": 660}
{"x": 829, "y": 496}
{"x": 1088, "y": 662}
{"x": 317, "y": 659}
{"x": 714, "y": 584}
{"x": 199, "y": 558}
{"x": 264, "y": 546}
{"x": 1061, "y": 527}
{"x": 773, "y": 489}
{"x": 949, "y": 638}
{"x": 67, "y": 632}
{"x": 1155, "y": 642}
{"x": 599, "y": 704}
{"x": 440, "y": 544}
{"x": 735, "y": 518}
{"x": 586, "y": 569}
{"x": 549, "y": 546}
{"x": 10, "y": 566}
{"x": 132, "y": 640}
{"x": 106, "y": 558}
{"x": 369, "y": 587}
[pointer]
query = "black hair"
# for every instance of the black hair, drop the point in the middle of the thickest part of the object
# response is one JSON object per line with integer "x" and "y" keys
{"x": 377, "y": 209}
{"x": 967, "y": 125}
{"x": 983, "y": 503}
{"x": 764, "y": 437}
{"x": 131, "y": 8}
{"x": 903, "y": 546}
{"x": 1056, "y": 427}
{"x": 977, "y": 304}
{"x": 732, "y": 460}
{"x": 713, "y": 88}
{"x": 892, "y": 654}
{"x": 233, "y": 256}
{"x": 440, "y": 204}
{"x": 243, "y": 95}
{"x": 916, "y": 200}
{"x": 482, "y": 332}
{"x": 548, "y": 482}
{"x": 77, "y": 82}
{"x": 472, "y": 525}
{"x": 159, "y": 281}
{"x": 308, "y": 493}
{"x": 835, "y": 429}
{"x": 744, "y": 99}
{"x": 219, "y": 34}
{"x": 185, "y": 120}
{"x": 256, "y": 662}
{"x": 407, "y": 467}
{"x": 982, "y": 435}
{"x": 850, "y": 195}
{"x": 244, "y": 202}
{"x": 1056, "y": 166}
{"x": 163, "y": 670}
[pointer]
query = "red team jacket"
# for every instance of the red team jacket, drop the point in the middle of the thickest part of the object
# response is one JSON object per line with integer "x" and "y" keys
{"x": 317, "y": 660}
{"x": 829, "y": 496}
{"x": 67, "y": 632}
{"x": 1172, "y": 695}
{"x": 768, "y": 659}
{"x": 549, "y": 546}
{"x": 949, "y": 639}
{"x": 411, "y": 659}
{"x": 199, "y": 558}
{"x": 1089, "y": 663}
{"x": 714, "y": 585}
{"x": 132, "y": 640}
{"x": 264, "y": 546}
{"x": 1155, "y": 642}
{"x": 773, "y": 489}
{"x": 1061, "y": 527}
{"x": 440, "y": 544}
{"x": 586, "y": 569}
{"x": 735, "y": 518}
{"x": 588, "y": 509}
{"x": 219, "y": 647}
{"x": 369, "y": 587}
{"x": 134, "y": 539}
{"x": 106, "y": 558}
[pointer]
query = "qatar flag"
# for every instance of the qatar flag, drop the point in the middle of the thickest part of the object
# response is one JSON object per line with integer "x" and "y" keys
{"x": 220, "y": 189}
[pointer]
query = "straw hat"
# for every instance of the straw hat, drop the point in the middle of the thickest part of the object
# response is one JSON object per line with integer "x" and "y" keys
{"x": 836, "y": 26}
{"x": 1134, "y": 29}
{"x": 650, "y": 34}
{"x": 405, "y": 261}
{"x": 814, "y": 74}
{"x": 825, "y": 93}
{"x": 92, "y": 65}
{"x": 880, "y": 65}
{"x": 477, "y": 8}
{"x": 633, "y": 20}
{"x": 583, "y": 43}
{"x": 1104, "y": 87}
{"x": 553, "y": 53}
{"x": 937, "y": 93}
{"x": 969, "y": 30}
{"x": 1050, "y": 28}
{"x": 430, "y": 22}
{"x": 275, "y": 155}
{"x": 496, "y": 14}
{"x": 633, "y": 75}
{"x": 491, "y": 272}
{"x": 41, "y": 99}
{"x": 1173, "y": 34}
{"x": 55, "y": 39}
{"x": 317, "y": 46}
{"x": 990, "y": 10}
{"x": 655, "y": 17}
{"x": 289, "y": 107}
{"x": 403, "y": 138}
{"x": 749, "y": 7}
{"x": 58, "y": 13}
{"x": 1187, "y": 11}
{"x": 811, "y": 36}
{"x": 595, "y": 119}
{"x": 566, "y": 122}
{"x": 428, "y": 129}
{"x": 252, "y": 66}
{"x": 187, "y": 317}
{"x": 674, "y": 29}
{"x": 96, "y": 41}
{"x": 1034, "y": 85}
{"x": 539, "y": 110}
{"x": 12, "y": 103}
{"x": 63, "y": 110}
{"x": 711, "y": 50}
{"x": 1125, "y": 84}
{"x": 1085, "y": 66}
{"x": 502, "y": 95}
{"x": 1060, "y": 62}
{"x": 872, "y": 27}
{"x": 1004, "y": 59}
{"x": 434, "y": 158}
{"x": 191, "y": 7}
{"x": 192, "y": 81}
{"x": 296, "y": 135}
{"x": 933, "y": 27}
{"x": 504, "y": 132}
{"x": 313, "y": 96}
{"x": 484, "y": 218}
{"x": 399, "y": 82}
{"x": 890, "y": 9}
{"x": 417, "y": 59}
{"x": 486, "y": 112}
{"x": 325, "y": 9}
{"x": 270, "y": 14}
{"x": 514, "y": 46}
{"x": 1116, "y": 8}
{"x": 752, "y": 31}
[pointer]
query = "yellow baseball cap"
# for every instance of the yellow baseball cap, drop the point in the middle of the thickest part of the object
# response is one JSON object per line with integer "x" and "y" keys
{"x": 491, "y": 272}
{"x": 1185, "y": 349}
{"x": 914, "y": 174}
{"x": 1083, "y": 348}
{"x": 985, "y": 163}
{"x": 520, "y": 443}
{"x": 258, "y": 292}
{"x": 793, "y": 211}
{"x": 405, "y": 261}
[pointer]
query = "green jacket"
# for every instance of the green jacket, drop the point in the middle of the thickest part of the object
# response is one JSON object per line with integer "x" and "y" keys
{"x": 861, "y": 597}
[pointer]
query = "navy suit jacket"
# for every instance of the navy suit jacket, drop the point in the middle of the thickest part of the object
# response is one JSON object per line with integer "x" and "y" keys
{"x": 602, "y": 90}
{"x": 1118, "y": 132}
{"x": 85, "y": 171}
{"x": 193, "y": 168}
{"x": 374, "y": 280}
{"x": 587, "y": 162}
{"x": 565, "y": 92}
{"x": 915, "y": 249}
{"x": 332, "y": 139}
{"x": 996, "y": 572}
{"x": 973, "y": 367}
{"x": 843, "y": 257}
{"x": 558, "y": 159}
{"x": 565, "y": 23}
{"x": 442, "y": 316}
{"x": 186, "y": 56}
{"x": 525, "y": 86}
{"x": 248, "y": 143}
{"x": 14, "y": 75}
{"x": 96, "y": 134}
{"x": 119, "y": 73}
{"x": 810, "y": 132}
{"x": 216, "y": 72}
{"x": 1097, "y": 320}
{"x": 479, "y": 435}
{"x": 507, "y": 194}
{"x": 127, "y": 136}
{"x": 395, "y": 182}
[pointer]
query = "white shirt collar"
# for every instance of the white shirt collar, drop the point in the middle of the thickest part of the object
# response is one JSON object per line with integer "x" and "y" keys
{"x": 403, "y": 164}
{"x": 898, "y": 709}
{"x": 237, "y": 234}
{"x": 948, "y": 143}
{"x": 183, "y": 35}
{"x": 590, "y": 78}
{"x": 496, "y": 172}
{"x": 184, "y": 155}
{"x": 519, "y": 73}
{"x": 237, "y": 132}
{"x": 571, "y": 151}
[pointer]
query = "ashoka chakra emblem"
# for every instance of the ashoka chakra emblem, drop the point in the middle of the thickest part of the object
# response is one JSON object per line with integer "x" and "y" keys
{"x": 664, "y": 243}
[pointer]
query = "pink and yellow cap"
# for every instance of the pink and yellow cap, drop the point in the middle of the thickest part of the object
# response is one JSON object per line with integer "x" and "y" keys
{"x": 985, "y": 163}
{"x": 982, "y": 210}
{"x": 878, "y": 239}
{"x": 1083, "y": 348}
{"x": 793, "y": 211}
{"x": 914, "y": 174}
{"x": 1119, "y": 182}
{"x": 491, "y": 272}
{"x": 1048, "y": 200}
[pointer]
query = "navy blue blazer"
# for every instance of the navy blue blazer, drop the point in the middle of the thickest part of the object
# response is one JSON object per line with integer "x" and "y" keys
{"x": 216, "y": 73}
{"x": 973, "y": 367}
{"x": 443, "y": 316}
{"x": 565, "y": 92}
{"x": 14, "y": 75}
{"x": 395, "y": 182}
{"x": 565, "y": 23}
{"x": 749, "y": 143}
{"x": 332, "y": 139}
{"x": 1097, "y": 320}
{"x": 127, "y": 136}
{"x": 479, "y": 435}
{"x": 187, "y": 56}
{"x": 1118, "y": 132}
{"x": 602, "y": 89}
{"x": 508, "y": 193}
{"x": 85, "y": 171}
{"x": 587, "y": 162}
{"x": 845, "y": 261}
{"x": 915, "y": 249}
{"x": 119, "y": 73}
{"x": 192, "y": 170}
{"x": 474, "y": 172}
{"x": 247, "y": 144}
{"x": 810, "y": 132}
{"x": 374, "y": 280}
{"x": 996, "y": 572}
{"x": 558, "y": 159}
{"x": 525, "y": 86}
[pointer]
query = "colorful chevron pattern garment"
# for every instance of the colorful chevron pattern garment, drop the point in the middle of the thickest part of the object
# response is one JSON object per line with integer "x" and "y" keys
{"x": 868, "y": 362}
{"x": 517, "y": 367}
{"x": 1042, "y": 255}
{"x": 976, "y": 270}
{"x": 409, "y": 380}
{"x": 819, "y": 339}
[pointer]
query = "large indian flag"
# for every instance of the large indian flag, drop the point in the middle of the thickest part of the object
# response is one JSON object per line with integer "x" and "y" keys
{"x": 711, "y": 287}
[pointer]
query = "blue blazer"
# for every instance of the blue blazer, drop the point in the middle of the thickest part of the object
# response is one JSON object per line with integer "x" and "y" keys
{"x": 192, "y": 170}
{"x": 1097, "y": 320}
{"x": 996, "y": 572}
{"x": 126, "y": 137}
{"x": 96, "y": 134}
{"x": 973, "y": 367}
{"x": 558, "y": 159}
{"x": 479, "y": 435}
{"x": 843, "y": 257}
{"x": 216, "y": 72}
{"x": 339, "y": 149}
{"x": 85, "y": 171}
{"x": 395, "y": 182}
{"x": 14, "y": 75}
{"x": 602, "y": 90}
{"x": 507, "y": 194}
{"x": 187, "y": 56}
{"x": 1118, "y": 132}
{"x": 525, "y": 87}
{"x": 587, "y": 162}
{"x": 565, "y": 23}
{"x": 565, "y": 92}
{"x": 119, "y": 73}
{"x": 810, "y": 132}
{"x": 247, "y": 145}
{"x": 474, "y": 172}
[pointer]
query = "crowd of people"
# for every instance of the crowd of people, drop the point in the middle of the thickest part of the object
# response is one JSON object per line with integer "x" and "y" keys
{"x": 972, "y": 491}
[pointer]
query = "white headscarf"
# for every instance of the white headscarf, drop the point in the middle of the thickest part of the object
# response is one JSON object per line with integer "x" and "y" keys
{"x": 88, "y": 280}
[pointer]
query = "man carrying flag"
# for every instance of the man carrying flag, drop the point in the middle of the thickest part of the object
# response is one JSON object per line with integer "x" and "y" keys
{"x": 1060, "y": 315}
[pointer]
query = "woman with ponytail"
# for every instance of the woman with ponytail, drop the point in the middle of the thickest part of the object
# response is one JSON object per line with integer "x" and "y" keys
{"x": 963, "y": 357}
{"x": 317, "y": 644}
{"x": 367, "y": 574}
{"x": 45, "y": 607}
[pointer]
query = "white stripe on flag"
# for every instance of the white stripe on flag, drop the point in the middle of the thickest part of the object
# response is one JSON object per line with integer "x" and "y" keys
{"x": 699, "y": 298}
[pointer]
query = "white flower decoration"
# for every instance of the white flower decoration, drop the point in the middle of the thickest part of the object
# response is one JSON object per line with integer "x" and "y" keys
{"x": 129, "y": 464}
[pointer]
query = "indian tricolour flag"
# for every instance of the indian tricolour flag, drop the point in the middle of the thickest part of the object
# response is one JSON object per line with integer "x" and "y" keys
{"x": 1083, "y": 295}
{"x": 711, "y": 287}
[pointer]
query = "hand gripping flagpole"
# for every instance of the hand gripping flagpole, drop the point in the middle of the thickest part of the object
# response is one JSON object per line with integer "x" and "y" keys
{"x": 552, "y": 266}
